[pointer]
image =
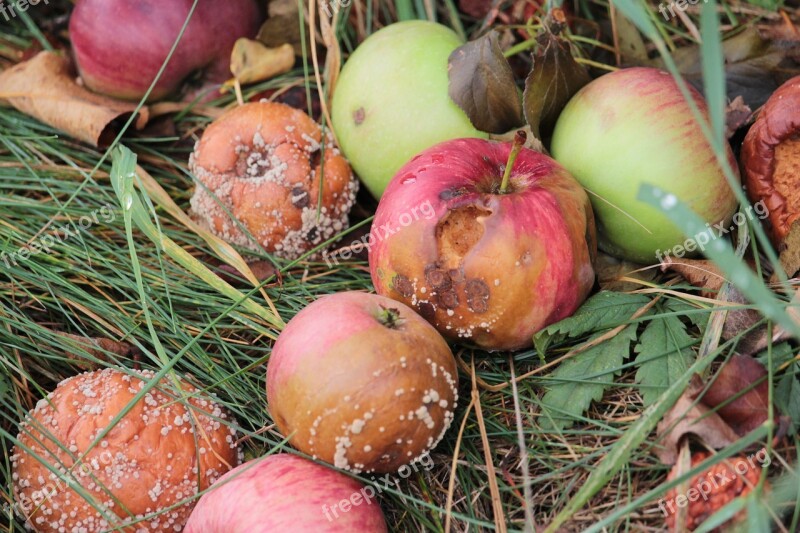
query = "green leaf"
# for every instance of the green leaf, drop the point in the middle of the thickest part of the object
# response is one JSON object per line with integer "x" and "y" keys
{"x": 694, "y": 314}
{"x": 664, "y": 355}
{"x": 553, "y": 80}
{"x": 603, "y": 311}
{"x": 787, "y": 395}
{"x": 482, "y": 84}
{"x": 584, "y": 378}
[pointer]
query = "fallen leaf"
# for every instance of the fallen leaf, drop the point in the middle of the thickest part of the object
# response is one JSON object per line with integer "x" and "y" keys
{"x": 45, "y": 88}
{"x": 99, "y": 348}
{"x": 737, "y": 114}
{"x": 554, "y": 78}
{"x": 701, "y": 273}
{"x": 482, "y": 84}
{"x": 740, "y": 394}
{"x": 754, "y": 65}
{"x": 630, "y": 41}
{"x": 263, "y": 270}
{"x": 611, "y": 270}
{"x": 734, "y": 402}
{"x": 252, "y": 61}
{"x": 689, "y": 417}
{"x": 282, "y": 26}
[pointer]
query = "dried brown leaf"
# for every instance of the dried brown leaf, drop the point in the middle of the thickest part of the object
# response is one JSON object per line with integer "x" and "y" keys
{"x": 740, "y": 394}
{"x": 252, "y": 61}
{"x": 701, "y": 273}
{"x": 45, "y": 88}
{"x": 690, "y": 417}
{"x": 737, "y": 114}
{"x": 553, "y": 80}
{"x": 482, "y": 84}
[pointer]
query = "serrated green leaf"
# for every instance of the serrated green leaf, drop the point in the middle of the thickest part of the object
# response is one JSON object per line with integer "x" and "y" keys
{"x": 665, "y": 353}
{"x": 584, "y": 378}
{"x": 695, "y": 315}
{"x": 604, "y": 310}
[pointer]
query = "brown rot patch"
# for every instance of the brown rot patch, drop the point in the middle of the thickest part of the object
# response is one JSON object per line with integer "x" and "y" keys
{"x": 403, "y": 285}
{"x": 426, "y": 310}
{"x": 457, "y": 233}
{"x": 477, "y": 295}
{"x": 437, "y": 279}
{"x": 448, "y": 299}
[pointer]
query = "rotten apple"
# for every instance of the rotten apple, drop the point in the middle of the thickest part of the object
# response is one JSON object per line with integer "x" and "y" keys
{"x": 508, "y": 248}
{"x": 120, "y": 45}
{"x": 361, "y": 382}
{"x": 630, "y": 127}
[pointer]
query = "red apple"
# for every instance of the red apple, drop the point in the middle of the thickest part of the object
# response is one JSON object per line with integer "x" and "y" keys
{"x": 362, "y": 382}
{"x": 486, "y": 267}
{"x": 120, "y": 45}
{"x": 283, "y": 492}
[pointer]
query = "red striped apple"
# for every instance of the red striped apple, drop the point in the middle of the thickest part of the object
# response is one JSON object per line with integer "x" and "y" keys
{"x": 283, "y": 492}
{"x": 491, "y": 265}
{"x": 631, "y": 127}
{"x": 120, "y": 45}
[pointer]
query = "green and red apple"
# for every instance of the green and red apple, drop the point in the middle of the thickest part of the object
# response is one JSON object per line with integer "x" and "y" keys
{"x": 391, "y": 100}
{"x": 631, "y": 127}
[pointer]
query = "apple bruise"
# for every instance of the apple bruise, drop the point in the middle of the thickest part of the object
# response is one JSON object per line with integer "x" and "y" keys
{"x": 488, "y": 269}
{"x": 354, "y": 403}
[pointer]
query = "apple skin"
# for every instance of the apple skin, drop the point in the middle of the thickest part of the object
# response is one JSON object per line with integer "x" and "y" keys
{"x": 283, "y": 492}
{"x": 120, "y": 45}
{"x": 485, "y": 269}
{"x": 357, "y": 393}
{"x": 391, "y": 100}
{"x": 631, "y": 127}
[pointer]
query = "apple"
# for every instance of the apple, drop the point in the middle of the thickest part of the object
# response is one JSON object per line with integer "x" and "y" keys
{"x": 492, "y": 265}
{"x": 391, "y": 100}
{"x": 283, "y": 492}
{"x": 361, "y": 382}
{"x": 120, "y": 45}
{"x": 630, "y": 127}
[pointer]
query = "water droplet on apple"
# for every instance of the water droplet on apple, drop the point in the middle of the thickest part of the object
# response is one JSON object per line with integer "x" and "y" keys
{"x": 669, "y": 201}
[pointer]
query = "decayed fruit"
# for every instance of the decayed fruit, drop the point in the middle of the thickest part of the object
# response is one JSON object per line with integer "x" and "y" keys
{"x": 771, "y": 159}
{"x": 487, "y": 268}
{"x": 160, "y": 453}
{"x": 361, "y": 382}
{"x": 263, "y": 163}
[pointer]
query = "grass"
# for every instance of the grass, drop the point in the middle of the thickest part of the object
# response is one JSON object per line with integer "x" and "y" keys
{"x": 113, "y": 280}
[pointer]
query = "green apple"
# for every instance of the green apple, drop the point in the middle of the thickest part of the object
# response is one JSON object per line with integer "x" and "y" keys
{"x": 631, "y": 127}
{"x": 391, "y": 100}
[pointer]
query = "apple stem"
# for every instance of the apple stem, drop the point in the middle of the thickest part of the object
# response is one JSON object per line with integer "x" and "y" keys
{"x": 519, "y": 140}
